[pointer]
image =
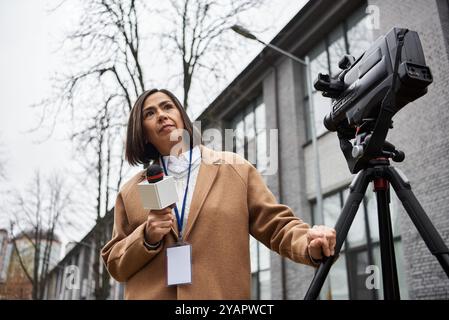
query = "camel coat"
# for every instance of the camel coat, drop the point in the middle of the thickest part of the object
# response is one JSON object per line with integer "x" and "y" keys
{"x": 230, "y": 202}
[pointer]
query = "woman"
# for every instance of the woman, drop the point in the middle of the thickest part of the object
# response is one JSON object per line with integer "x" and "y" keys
{"x": 225, "y": 200}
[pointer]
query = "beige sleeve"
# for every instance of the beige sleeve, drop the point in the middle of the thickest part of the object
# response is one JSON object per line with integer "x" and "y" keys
{"x": 274, "y": 224}
{"x": 125, "y": 254}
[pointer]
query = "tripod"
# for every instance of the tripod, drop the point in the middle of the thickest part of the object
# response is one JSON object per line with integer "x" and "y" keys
{"x": 382, "y": 174}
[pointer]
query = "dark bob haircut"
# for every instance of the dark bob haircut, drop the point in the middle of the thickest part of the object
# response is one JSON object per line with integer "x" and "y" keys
{"x": 137, "y": 150}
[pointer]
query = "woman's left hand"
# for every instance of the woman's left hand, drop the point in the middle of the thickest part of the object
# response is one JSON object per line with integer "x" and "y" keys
{"x": 321, "y": 241}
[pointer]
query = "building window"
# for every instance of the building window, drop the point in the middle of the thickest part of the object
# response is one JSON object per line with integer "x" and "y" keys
{"x": 250, "y": 136}
{"x": 347, "y": 277}
{"x": 353, "y": 36}
{"x": 260, "y": 270}
{"x": 121, "y": 291}
{"x": 250, "y": 142}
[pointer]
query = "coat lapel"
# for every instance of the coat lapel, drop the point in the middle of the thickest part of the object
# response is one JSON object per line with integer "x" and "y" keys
{"x": 206, "y": 177}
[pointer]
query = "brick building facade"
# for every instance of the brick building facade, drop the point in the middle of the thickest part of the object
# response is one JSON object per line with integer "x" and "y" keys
{"x": 275, "y": 85}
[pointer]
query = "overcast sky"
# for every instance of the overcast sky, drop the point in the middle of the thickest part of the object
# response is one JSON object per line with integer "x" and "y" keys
{"x": 28, "y": 36}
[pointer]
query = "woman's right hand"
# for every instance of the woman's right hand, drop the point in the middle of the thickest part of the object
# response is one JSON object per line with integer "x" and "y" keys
{"x": 159, "y": 223}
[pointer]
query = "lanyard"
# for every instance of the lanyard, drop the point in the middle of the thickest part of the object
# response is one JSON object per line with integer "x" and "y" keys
{"x": 180, "y": 219}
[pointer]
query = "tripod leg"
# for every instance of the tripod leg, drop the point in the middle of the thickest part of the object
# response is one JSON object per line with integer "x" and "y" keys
{"x": 389, "y": 271}
{"x": 357, "y": 192}
{"x": 421, "y": 221}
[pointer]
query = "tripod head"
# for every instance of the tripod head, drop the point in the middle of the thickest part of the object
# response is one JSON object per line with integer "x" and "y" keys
{"x": 368, "y": 145}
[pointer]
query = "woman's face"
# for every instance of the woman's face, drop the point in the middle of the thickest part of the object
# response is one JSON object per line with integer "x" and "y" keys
{"x": 160, "y": 118}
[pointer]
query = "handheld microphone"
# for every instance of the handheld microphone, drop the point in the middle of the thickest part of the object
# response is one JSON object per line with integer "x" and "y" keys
{"x": 157, "y": 192}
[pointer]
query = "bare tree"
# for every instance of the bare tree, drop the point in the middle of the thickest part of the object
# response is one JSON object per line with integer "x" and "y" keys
{"x": 98, "y": 94}
{"x": 107, "y": 73}
{"x": 102, "y": 167}
{"x": 197, "y": 35}
{"x": 104, "y": 46}
{"x": 97, "y": 144}
{"x": 36, "y": 214}
{"x": 107, "y": 47}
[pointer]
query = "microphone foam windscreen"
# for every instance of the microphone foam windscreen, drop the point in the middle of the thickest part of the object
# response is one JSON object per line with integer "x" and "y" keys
{"x": 154, "y": 173}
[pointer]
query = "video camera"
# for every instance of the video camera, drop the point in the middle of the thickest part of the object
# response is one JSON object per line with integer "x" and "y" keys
{"x": 367, "y": 94}
{"x": 370, "y": 90}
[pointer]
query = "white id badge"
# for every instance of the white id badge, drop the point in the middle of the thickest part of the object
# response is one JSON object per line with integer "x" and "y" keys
{"x": 179, "y": 264}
